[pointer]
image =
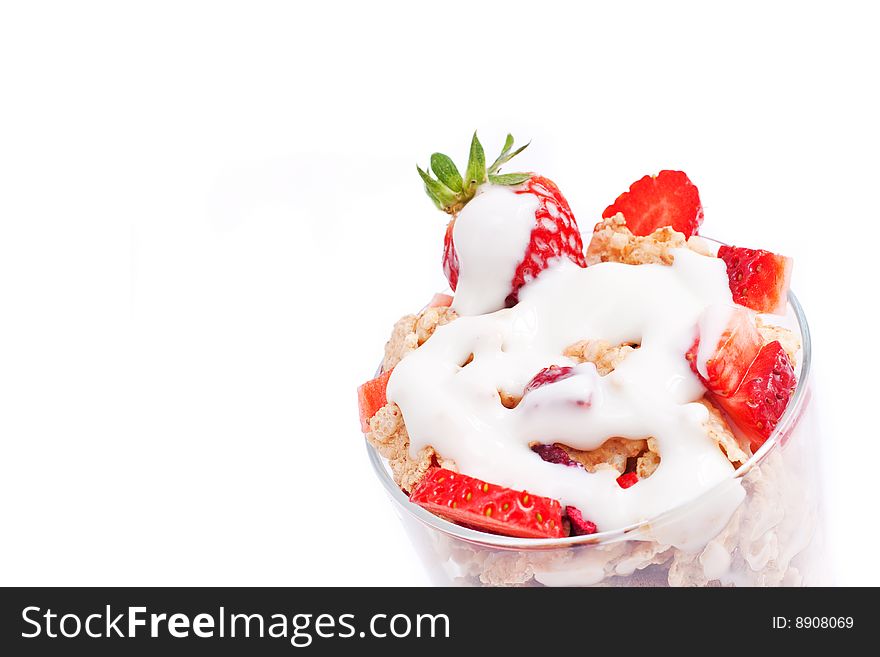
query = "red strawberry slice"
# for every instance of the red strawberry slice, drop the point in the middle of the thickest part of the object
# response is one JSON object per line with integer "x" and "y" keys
{"x": 487, "y": 507}
{"x": 371, "y": 397}
{"x": 547, "y": 376}
{"x": 736, "y": 349}
{"x": 763, "y": 395}
{"x": 440, "y": 301}
{"x": 667, "y": 199}
{"x": 555, "y": 234}
{"x": 579, "y": 526}
{"x": 627, "y": 479}
{"x": 758, "y": 279}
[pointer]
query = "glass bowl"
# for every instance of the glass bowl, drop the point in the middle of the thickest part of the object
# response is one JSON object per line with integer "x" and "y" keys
{"x": 764, "y": 524}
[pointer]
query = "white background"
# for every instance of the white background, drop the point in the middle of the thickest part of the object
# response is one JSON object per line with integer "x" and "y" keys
{"x": 210, "y": 219}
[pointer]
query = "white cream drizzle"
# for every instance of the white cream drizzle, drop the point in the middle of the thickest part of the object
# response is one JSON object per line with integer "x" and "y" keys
{"x": 457, "y": 409}
{"x": 712, "y": 325}
{"x": 491, "y": 235}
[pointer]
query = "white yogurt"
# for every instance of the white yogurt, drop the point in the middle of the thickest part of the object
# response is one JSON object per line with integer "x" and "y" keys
{"x": 712, "y": 326}
{"x": 491, "y": 235}
{"x": 457, "y": 409}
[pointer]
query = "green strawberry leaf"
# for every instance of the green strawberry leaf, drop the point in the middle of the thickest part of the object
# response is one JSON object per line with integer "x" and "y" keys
{"x": 508, "y": 144}
{"x": 509, "y": 179}
{"x": 439, "y": 193}
{"x": 506, "y": 155}
{"x": 446, "y": 172}
{"x": 476, "y": 167}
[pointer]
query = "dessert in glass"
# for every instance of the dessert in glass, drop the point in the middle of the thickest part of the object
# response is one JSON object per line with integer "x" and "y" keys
{"x": 626, "y": 414}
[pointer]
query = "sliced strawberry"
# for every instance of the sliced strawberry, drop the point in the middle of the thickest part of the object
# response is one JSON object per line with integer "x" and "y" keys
{"x": 667, "y": 199}
{"x": 627, "y": 479}
{"x": 579, "y": 526}
{"x": 440, "y": 301}
{"x": 763, "y": 395}
{"x": 488, "y": 507}
{"x": 731, "y": 357}
{"x": 547, "y": 376}
{"x": 371, "y": 397}
{"x": 758, "y": 279}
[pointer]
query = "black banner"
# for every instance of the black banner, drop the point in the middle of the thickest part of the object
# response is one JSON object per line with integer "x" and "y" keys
{"x": 120, "y": 621}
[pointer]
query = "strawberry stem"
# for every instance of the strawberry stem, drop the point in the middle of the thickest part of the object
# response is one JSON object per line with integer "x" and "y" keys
{"x": 449, "y": 191}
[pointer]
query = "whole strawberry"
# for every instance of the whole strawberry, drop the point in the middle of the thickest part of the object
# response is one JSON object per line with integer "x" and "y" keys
{"x": 553, "y": 235}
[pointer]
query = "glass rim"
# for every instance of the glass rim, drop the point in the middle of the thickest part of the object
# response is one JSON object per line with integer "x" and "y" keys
{"x": 785, "y": 425}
